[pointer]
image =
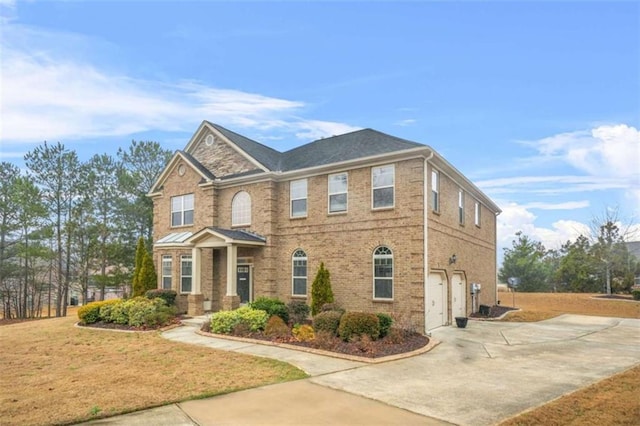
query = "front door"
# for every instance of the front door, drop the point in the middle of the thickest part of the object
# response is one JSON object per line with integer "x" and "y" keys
{"x": 244, "y": 283}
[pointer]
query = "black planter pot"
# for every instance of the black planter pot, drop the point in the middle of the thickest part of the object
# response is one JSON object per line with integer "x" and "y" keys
{"x": 461, "y": 322}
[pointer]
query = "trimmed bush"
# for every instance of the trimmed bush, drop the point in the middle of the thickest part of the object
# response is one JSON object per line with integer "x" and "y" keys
{"x": 169, "y": 296}
{"x": 321, "y": 292}
{"x": 272, "y": 306}
{"x": 636, "y": 294}
{"x": 332, "y": 307}
{"x": 90, "y": 313}
{"x": 140, "y": 309}
{"x": 298, "y": 311}
{"x": 385, "y": 323}
{"x": 276, "y": 327}
{"x": 224, "y": 322}
{"x": 303, "y": 333}
{"x": 327, "y": 321}
{"x": 356, "y": 324}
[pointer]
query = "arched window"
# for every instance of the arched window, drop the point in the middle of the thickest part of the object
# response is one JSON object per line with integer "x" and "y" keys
{"x": 299, "y": 273}
{"x": 241, "y": 209}
{"x": 383, "y": 273}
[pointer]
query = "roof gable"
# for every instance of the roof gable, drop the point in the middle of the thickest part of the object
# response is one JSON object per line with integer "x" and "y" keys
{"x": 179, "y": 156}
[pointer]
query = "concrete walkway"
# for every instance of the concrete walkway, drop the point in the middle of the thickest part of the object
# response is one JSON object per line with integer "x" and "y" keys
{"x": 478, "y": 376}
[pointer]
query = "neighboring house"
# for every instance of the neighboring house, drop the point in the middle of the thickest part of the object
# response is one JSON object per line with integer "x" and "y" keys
{"x": 398, "y": 227}
{"x": 634, "y": 249}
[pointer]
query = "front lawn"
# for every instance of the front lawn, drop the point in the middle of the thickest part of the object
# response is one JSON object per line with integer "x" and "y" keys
{"x": 55, "y": 373}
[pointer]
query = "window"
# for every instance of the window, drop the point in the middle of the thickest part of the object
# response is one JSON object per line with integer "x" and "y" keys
{"x": 338, "y": 185}
{"x": 185, "y": 274}
{"x": 166, "y": 272}
{"x": 383, "y": 178}
{"x": 241, "y": 209}
{"x": 383, "y": 273}
{"x": 435, "y": 190}
{"x": 477, "y": 214}
{"x": 298, "y": 191}
{"x": 182, "y": 210}
{"x": 299, "y": 273}
{"x": 461, "y": 206}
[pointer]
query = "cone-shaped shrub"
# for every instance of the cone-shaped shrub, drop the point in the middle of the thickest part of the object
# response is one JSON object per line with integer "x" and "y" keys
{"x": 148, "y": 279}
{"x": 321, "y": 292}
{"x": 140, "y": 252}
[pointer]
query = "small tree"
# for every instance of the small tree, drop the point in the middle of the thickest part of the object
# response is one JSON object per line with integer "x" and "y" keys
{"x": 147, "y": 279}
{"x": 140, "y": 254}
{"x": 321, "y": 292}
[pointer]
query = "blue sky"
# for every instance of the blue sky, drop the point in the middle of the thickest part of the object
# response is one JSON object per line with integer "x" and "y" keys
{"x": 537, "y": 103}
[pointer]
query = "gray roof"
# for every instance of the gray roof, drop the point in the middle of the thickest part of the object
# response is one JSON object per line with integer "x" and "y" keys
{"x": 350, "y": 146}
{"x": 198, "y": 165}
{"x": 238, "y": 234}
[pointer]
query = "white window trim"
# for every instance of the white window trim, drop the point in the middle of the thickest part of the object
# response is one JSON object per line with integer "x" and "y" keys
{"x": 234, "y": 206}
{"x": 293, "y": 277}
{"x": 393, "y": 269}
{"x": 461, "y": 206}
{"x": 291, "y": 199}
{"x": 477, "y": 214}
{"x": 183, "y": 258}
{"x": 329, "y": 194}
{"x": 435, "y": 187}
{"x": 393, "y": 204}
{"x": 168, "y": 258}
{"x": 182, "y": 210}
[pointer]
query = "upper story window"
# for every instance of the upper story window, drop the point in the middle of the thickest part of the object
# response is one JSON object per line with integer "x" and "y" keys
{"x": 299, "y": 273}
{"x": 167, "y": 271}
{"x": 338, "y": 192}
{"x": 241, "y": 209}
{"x": 461, "y": 206}
{"x": 382, "y": 183}
{"x": 435, "y": 190}
{"x": 182, "y": 210}
{"x": 383, "y": 273}
{"x": 477, "y": 214}
{"x": 298, "y": 195}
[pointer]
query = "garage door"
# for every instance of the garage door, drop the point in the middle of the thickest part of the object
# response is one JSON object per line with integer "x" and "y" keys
{"x": 458, "y": 295}
{"x": 436, "y": 306}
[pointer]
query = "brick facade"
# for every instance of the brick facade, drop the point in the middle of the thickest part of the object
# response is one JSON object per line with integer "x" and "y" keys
{"x": 345, "y": 242}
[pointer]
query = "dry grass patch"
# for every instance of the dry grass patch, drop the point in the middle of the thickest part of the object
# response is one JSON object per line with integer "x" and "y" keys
{"x": 54, "y": 373}
{"x": 547, "y": 305}
{"x": 613, "y": 401}
{"x": 528, "y": 316}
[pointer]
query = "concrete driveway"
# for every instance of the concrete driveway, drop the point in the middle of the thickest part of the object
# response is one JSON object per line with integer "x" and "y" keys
{"x": 493, "y": 370}
{"x": 480, "y": 375}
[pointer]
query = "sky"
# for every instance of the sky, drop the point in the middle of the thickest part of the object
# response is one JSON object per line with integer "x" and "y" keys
{"x": 538, "y": 103}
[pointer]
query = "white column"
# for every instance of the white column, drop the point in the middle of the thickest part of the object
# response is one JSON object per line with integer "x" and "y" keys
{"x": 196, "y": 262}
{"x": 232, "y": 283}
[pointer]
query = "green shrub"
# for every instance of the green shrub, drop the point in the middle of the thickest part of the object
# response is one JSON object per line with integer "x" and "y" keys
{"x": 636, "y": 294}
{"x": 327, "y": 321}
{"x": 303, "y": 333}
{"x": 358, "y": 324}
{"x": 276, "y": 327}
{"x": 139, "y": 309}
{"x": 119, "y": 313}
{"x": 385, "y": 321}
{"x": 321, "y": 292}
{"x": 90, "y": 313}
{"x": 332, "y": 307}
{"x": 298, "y": 311}
{"x": 223, "y": 322}
{"x": 106, "y": 307}
{"x": 169, "y": 296}
{"x": 272, "y": 306}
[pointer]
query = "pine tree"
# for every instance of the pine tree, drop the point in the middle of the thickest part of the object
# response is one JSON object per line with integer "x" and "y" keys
{"x": 140, "y": 254}
{"x": 321, "y": 292}
{"x": 147, "y": 279}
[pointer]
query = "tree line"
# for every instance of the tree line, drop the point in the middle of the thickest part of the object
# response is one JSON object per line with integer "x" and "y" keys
{"x": 69, "y": 225}
{"x": 596, "y": 263}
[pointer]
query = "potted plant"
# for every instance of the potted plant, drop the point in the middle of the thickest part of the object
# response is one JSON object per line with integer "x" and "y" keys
{"x": 461, "y": 322}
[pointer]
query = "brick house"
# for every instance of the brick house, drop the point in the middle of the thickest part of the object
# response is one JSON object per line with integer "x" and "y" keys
{"x": 398, "y": 227}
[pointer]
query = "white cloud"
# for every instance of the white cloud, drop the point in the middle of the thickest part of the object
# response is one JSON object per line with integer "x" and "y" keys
{"x": 567, "y": 205}
{"x": 46, "y": 95}
{"x": 406, "y": 122}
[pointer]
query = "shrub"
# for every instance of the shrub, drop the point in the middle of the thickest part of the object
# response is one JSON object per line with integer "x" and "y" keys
{"x": 332, "y": 307}
{"x": 119, "y": 313}
{"x": 298, "y": 311}
{"x": 303, "y": 333}
{"x": 321, "y": 292}
{"x": 276, "y": 327}
{"x": 385, "y": 323}
{"x": 140, "y": 309}
{"x": 358, "y": 324}
{"x": 327, "y": 321}
{"x": 139, "y": 259}
{"x": 90, "y": 313}
{"x": 106, "y": 306}
{"x": 223, "y": 322}
{"x": 636, "y": 294}
{"x": 169, "y": 296}
{"x": 272, "y": 306}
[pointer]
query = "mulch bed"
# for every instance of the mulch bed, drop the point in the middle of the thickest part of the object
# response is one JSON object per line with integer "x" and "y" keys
{"x": 495, "y": 311}
{"x": 125, "y": 327}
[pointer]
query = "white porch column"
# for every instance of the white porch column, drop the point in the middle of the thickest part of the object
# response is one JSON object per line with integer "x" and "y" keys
{"x": 196, "y": 262}
{"x": 232, "y": 283}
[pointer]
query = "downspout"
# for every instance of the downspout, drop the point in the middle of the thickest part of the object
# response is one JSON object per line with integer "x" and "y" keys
{"x": 425, "y": 212}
